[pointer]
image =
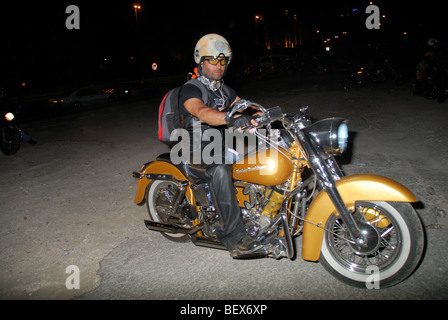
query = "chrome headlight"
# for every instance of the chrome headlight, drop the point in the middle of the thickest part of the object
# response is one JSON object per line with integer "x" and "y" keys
{"x": 329, "y": 135}
{"x": 343, "y": 137}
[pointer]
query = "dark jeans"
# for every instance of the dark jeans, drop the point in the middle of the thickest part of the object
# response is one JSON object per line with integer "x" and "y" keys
{"x": 222, "y": 190}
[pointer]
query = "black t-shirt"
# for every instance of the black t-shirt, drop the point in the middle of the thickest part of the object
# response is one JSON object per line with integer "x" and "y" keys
{"x": 220, "y": 100}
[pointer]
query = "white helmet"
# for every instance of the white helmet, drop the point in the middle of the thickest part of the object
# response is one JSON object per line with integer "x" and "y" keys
{"x": 212, "y": 45}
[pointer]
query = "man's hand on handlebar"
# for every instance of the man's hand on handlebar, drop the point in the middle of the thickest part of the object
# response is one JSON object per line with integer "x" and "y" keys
{"x": 240, "y": 121}
{"x": 249, "y": 119}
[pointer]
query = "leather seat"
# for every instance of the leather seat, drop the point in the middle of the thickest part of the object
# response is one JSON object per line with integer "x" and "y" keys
{"x": 190, "y": 171}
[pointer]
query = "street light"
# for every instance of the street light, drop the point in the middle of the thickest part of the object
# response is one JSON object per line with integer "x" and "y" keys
{"x": 137, "y": 7}
{"x": 258, "y": 18}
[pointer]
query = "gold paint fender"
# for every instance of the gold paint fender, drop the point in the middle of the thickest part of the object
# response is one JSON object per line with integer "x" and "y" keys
{"x": 353, "y": 188}
{"x": 157, "y": 167}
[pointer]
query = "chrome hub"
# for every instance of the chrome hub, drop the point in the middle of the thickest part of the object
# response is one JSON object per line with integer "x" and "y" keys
{"x": 372, "y": 240}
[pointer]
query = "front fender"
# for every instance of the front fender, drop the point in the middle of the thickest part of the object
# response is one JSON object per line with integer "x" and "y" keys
{"x": 367, "y": 187}
{"x": 155, "y": 167}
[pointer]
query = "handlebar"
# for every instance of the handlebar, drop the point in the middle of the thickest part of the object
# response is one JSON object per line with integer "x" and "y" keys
{"x": 301, "y": 119}
{"x": 269, "y": 115}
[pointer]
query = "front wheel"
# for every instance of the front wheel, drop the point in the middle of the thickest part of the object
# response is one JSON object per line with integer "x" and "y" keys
{"x": 394, "y": 245}
{"x": 10, "y": 142}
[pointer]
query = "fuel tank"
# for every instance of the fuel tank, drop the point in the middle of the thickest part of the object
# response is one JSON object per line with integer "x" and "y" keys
{"x": 268, "y": 167}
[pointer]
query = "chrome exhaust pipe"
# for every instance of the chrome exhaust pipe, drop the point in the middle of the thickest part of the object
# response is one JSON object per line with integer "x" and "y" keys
{"x": 207, "y": 242}
{"x": 197, "y": 240}
{"x": 163, "y": 227}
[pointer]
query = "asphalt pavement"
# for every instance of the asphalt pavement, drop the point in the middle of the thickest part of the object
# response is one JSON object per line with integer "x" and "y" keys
{"x": 69, "y": 201}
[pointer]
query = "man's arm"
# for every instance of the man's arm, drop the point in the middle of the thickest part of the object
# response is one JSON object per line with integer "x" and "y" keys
{"x": 205, "y": 114}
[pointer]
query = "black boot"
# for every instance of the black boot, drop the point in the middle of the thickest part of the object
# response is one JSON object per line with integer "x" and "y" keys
{"x": 248, "y": 247}
{"x": 244, "y": 246}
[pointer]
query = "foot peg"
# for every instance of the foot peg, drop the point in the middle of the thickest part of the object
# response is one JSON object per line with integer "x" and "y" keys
{"x": 276, "y": 248}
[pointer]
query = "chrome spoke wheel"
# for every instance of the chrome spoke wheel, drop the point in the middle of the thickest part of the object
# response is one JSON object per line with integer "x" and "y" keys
{"x": 383, "y": 241}
{"x": 393, "y": 247}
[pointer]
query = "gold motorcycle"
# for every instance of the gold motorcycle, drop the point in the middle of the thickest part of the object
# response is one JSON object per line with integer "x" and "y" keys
{"x": 361, "y": 228}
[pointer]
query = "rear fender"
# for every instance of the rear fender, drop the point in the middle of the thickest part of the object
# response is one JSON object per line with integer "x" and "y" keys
{"x": 353, "y": 188}
{"x": 159, "y": 168}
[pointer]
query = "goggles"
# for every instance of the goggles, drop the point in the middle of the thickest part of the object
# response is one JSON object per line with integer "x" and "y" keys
{"x": 214, "y": 61}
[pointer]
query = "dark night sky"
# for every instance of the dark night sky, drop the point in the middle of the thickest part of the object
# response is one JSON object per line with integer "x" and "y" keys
{"x": 37, "y": 46}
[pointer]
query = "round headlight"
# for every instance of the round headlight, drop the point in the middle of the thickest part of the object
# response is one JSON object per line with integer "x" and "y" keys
{"x": 330, "y": 135}
{"x": 343, "y": 137}
{"x": 9, "y": 116}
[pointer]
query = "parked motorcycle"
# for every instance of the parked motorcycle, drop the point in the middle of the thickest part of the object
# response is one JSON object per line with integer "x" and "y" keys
{"x": 379, "y": 73}
{"x": 432, "y": 73}
{"x": 357, "y": 226}
{"x": 11, "y": 134}
{"x": 430, "y": 89}
{"x": 432, "y": 86}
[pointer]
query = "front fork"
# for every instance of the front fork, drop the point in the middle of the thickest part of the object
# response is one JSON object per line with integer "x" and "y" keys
{"x": 346, "y": 215}
{"x": 327, "y": 173}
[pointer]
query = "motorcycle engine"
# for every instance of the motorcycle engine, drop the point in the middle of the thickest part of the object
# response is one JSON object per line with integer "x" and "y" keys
{"x": 262, "y": 207}
{"x": 258, "y": 212}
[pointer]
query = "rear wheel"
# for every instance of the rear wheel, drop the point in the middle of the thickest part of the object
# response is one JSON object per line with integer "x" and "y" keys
{"x": 394, "y": 246}
{"x": 159, "y": 201}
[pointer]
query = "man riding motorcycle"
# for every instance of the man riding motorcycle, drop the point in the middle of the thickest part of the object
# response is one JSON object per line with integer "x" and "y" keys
{"x": 212, "y": 55}
{"x": 432, "y": 78}
{"x": 7, "y": 106}
{"x": 351, "y": 224}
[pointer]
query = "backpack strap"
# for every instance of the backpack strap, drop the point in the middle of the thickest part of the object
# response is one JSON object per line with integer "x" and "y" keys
{"x": 204, "y": 91}
{"x": 185, "y": 120}
{"x": 201, "y": 86}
